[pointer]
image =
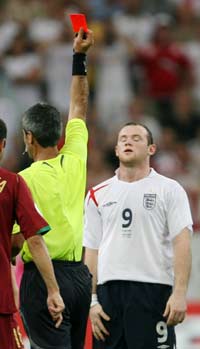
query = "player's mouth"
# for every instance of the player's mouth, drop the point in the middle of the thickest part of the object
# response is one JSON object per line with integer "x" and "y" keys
{"x": 128, "y": 150}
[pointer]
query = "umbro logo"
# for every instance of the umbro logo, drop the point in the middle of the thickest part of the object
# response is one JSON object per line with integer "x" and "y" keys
{"x": 110, "y": 203}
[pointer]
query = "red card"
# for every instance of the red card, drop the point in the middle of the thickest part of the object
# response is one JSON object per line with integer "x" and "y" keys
{"x": 78, "y": 21}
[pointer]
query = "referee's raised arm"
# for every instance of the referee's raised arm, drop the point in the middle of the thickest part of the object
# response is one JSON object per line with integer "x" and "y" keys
{"x": 79, "y": 86}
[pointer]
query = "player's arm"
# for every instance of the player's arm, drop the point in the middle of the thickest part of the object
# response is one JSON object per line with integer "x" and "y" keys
{"x": 182, "y": 261}
{"x": 96, "y": 310}
{"x": 92, "y": 238}
{"x": 79, "y": 86}
{"x": 91, "y": 259}
{"x": 176, "y": 306}
{"x": 17, "y": 243}
{"x": 43, "y": 262}
{"x": 179, "y": 221}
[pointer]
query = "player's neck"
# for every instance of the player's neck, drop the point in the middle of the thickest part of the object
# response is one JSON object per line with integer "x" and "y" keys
{"x": 132, "y": 174}
{"x": 45, "y": 153}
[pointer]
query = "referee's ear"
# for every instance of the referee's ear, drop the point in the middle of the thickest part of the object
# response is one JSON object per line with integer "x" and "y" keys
{"x": 28, "y": 137}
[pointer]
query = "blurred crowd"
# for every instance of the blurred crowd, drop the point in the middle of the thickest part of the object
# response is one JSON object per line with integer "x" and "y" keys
{"x": 144, "y": 67}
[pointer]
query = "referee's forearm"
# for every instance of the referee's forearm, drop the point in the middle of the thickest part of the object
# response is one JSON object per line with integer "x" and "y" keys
{"x": 79, "y": 97}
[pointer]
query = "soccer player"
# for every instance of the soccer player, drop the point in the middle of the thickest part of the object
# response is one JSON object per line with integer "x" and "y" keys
{"x": 137, "y": 237}
{"x": 57, "y": 181}
{"x": 16, "y": 204}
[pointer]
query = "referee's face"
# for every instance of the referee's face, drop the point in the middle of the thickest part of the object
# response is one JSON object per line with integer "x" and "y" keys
{"x": 132, "y": 145}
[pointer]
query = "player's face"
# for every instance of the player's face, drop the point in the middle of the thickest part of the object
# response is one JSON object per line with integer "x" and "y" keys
{"x": 132, "y": 146}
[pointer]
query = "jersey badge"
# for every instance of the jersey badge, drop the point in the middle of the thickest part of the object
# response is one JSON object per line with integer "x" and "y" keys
{"x": 149, "y": 201}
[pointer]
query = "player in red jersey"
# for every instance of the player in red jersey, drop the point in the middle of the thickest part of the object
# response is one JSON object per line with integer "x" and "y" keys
{"x": 16, "y": 204}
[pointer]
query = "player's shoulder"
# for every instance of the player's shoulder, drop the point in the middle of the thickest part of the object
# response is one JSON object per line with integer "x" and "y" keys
{"x": 103, "y": 185}
{"x": 7, "y": 175}
{"x": 98, "y": 191}
{"x": 167, "y": 182}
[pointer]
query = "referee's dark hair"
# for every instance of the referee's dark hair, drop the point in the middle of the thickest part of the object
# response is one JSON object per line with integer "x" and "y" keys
{"x": 3, "y": 130}
{"x": 44, "y": 122}
{"x": 149, "y": 133}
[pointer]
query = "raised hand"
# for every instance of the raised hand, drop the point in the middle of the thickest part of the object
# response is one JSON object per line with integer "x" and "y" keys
{"x": 83, "y": 41}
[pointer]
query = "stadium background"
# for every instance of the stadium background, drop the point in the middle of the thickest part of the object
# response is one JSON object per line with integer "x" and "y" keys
{"x": 35, "y": 64}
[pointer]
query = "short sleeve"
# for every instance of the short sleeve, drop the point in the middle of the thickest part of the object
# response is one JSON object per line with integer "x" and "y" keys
{"x": 178, "y": 210}
{"x": 92, "y": 224}
{"x": 76, "y": 137}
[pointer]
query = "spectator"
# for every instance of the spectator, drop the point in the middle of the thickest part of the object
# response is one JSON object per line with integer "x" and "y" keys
{"x": 113, "y": 89}
{"x": 23, "y": 66}
{"x": 166, "y": 67}
{"x": 185, "y": 119}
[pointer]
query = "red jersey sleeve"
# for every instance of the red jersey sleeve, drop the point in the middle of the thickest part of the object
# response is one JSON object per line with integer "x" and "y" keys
{"x": 28, "y": 217}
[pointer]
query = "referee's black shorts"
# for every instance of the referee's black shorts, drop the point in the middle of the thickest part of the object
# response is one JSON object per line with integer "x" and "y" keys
{"x": 136, "y": 311}
{"x": 74, "y": 281}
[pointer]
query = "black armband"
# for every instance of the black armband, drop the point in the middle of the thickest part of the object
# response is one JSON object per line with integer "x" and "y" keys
{"x": 79, "y": 65}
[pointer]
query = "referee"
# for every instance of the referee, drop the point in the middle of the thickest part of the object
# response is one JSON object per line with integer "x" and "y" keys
{"x": 57, "y": 181}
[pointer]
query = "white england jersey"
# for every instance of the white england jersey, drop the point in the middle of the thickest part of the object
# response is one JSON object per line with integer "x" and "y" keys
{"x": 132, "y": 226}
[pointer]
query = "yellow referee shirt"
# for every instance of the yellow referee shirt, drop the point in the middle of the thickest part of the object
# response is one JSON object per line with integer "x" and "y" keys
{"x": 58, "y": 189}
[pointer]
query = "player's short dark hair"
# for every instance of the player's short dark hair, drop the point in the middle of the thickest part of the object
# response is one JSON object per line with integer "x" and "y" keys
{"x": 149, "y": 133}
{"x": 44, "y": 122}
{"x": 3, "y": 130}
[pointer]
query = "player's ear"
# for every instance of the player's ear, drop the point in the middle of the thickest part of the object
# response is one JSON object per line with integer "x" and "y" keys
{"x": 2, "y": 144}
{"x": 116, "y": 151}
{"x": 152, "y": 149}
